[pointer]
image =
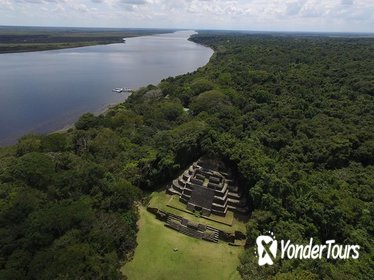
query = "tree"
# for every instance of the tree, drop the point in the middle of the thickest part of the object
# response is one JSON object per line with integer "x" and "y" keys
{"x": 35, "y": 169}
{"x": 86, "y": 121}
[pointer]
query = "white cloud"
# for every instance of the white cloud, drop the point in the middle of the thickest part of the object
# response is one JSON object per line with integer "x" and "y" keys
{"x": 6, "y": 5}
{"x": 327, "y": 15}
{"x": 133, "y": 2}
{"x": 294, "y": 7}
{"x": 347, "y": 2}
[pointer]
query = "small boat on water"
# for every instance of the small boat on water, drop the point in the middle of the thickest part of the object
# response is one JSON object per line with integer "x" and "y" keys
{"x": 119, "y": 90}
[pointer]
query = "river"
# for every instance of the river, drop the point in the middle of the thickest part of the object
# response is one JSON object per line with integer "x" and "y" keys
{"x": 44, "y": 91}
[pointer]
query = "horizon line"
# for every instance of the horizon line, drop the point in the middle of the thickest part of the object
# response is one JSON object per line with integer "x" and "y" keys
{"x": 196, "y": 29}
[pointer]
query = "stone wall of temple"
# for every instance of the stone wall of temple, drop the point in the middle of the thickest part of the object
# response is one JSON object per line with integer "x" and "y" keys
{"x": 226, "y": 195}
{"x": 199, "y": 231}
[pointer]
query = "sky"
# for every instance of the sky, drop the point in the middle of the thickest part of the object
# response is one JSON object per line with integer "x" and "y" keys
{"x": 256, "y": 15}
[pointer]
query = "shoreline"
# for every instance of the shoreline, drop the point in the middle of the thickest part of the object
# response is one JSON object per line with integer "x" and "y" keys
{"x": 103, "y": 110}
{"x": 106, "y": 108}
{"x": 58, "y": 48}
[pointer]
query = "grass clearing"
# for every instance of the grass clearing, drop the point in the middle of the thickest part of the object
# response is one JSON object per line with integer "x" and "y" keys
{"x": 156, "y": 259}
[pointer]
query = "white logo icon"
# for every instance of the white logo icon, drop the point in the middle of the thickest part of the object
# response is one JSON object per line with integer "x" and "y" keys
{"x": 266, "y": 249}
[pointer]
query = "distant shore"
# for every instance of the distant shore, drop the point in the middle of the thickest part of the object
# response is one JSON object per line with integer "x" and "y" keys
{"x": 31, "y": 39}
{"x": 9, "y": 48}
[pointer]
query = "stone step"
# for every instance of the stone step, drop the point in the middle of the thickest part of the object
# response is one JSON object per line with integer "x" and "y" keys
{"x": 212, "y": 229}
{"x": 173, "y": 225}
{"x": 211, "y": 238}
{"x": 175, "y": 217}
{"x": 190, "y": 232}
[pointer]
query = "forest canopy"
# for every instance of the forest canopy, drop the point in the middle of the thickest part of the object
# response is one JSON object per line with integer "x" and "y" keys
{"x": 293, "y": 116}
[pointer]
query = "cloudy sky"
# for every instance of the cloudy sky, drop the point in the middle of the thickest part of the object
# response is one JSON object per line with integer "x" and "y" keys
{"x": 261, "y": 15}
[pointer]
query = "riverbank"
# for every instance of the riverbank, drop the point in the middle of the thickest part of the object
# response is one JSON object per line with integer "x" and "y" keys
{"x": 31, "y": 39}
{"x": 99, "y": 112}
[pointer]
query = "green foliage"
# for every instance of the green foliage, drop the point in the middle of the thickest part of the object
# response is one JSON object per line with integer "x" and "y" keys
{"x": 258, "y": 76}
{"x": 106, "y": 145}
{"x": 262, "y": 96}
{"x": 201, "y": 85}
{"x": 55, "y": 142}
{"x": 35, "y": 169}
{"x": 170, "y": 110}
{"x": 29, "y": 143}
{"x": 86, "y": 121}
{"x": 302, "y": 143}
{"x": 297, "y": 275}
{"x": 211, "y": 102}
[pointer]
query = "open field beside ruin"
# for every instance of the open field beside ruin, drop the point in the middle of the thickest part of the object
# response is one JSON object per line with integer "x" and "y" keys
{"x": 156, "y": 258}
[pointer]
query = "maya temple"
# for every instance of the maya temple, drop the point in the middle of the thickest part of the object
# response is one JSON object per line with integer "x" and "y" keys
{"x": 203, "y": 203}
{"x": 206, "y": 188}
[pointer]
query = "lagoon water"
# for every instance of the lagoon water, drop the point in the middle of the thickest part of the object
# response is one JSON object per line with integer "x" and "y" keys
{"x": 45, "y": 91}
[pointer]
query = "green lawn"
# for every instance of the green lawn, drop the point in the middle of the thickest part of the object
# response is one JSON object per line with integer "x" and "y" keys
{"x": 156, "y": 259}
